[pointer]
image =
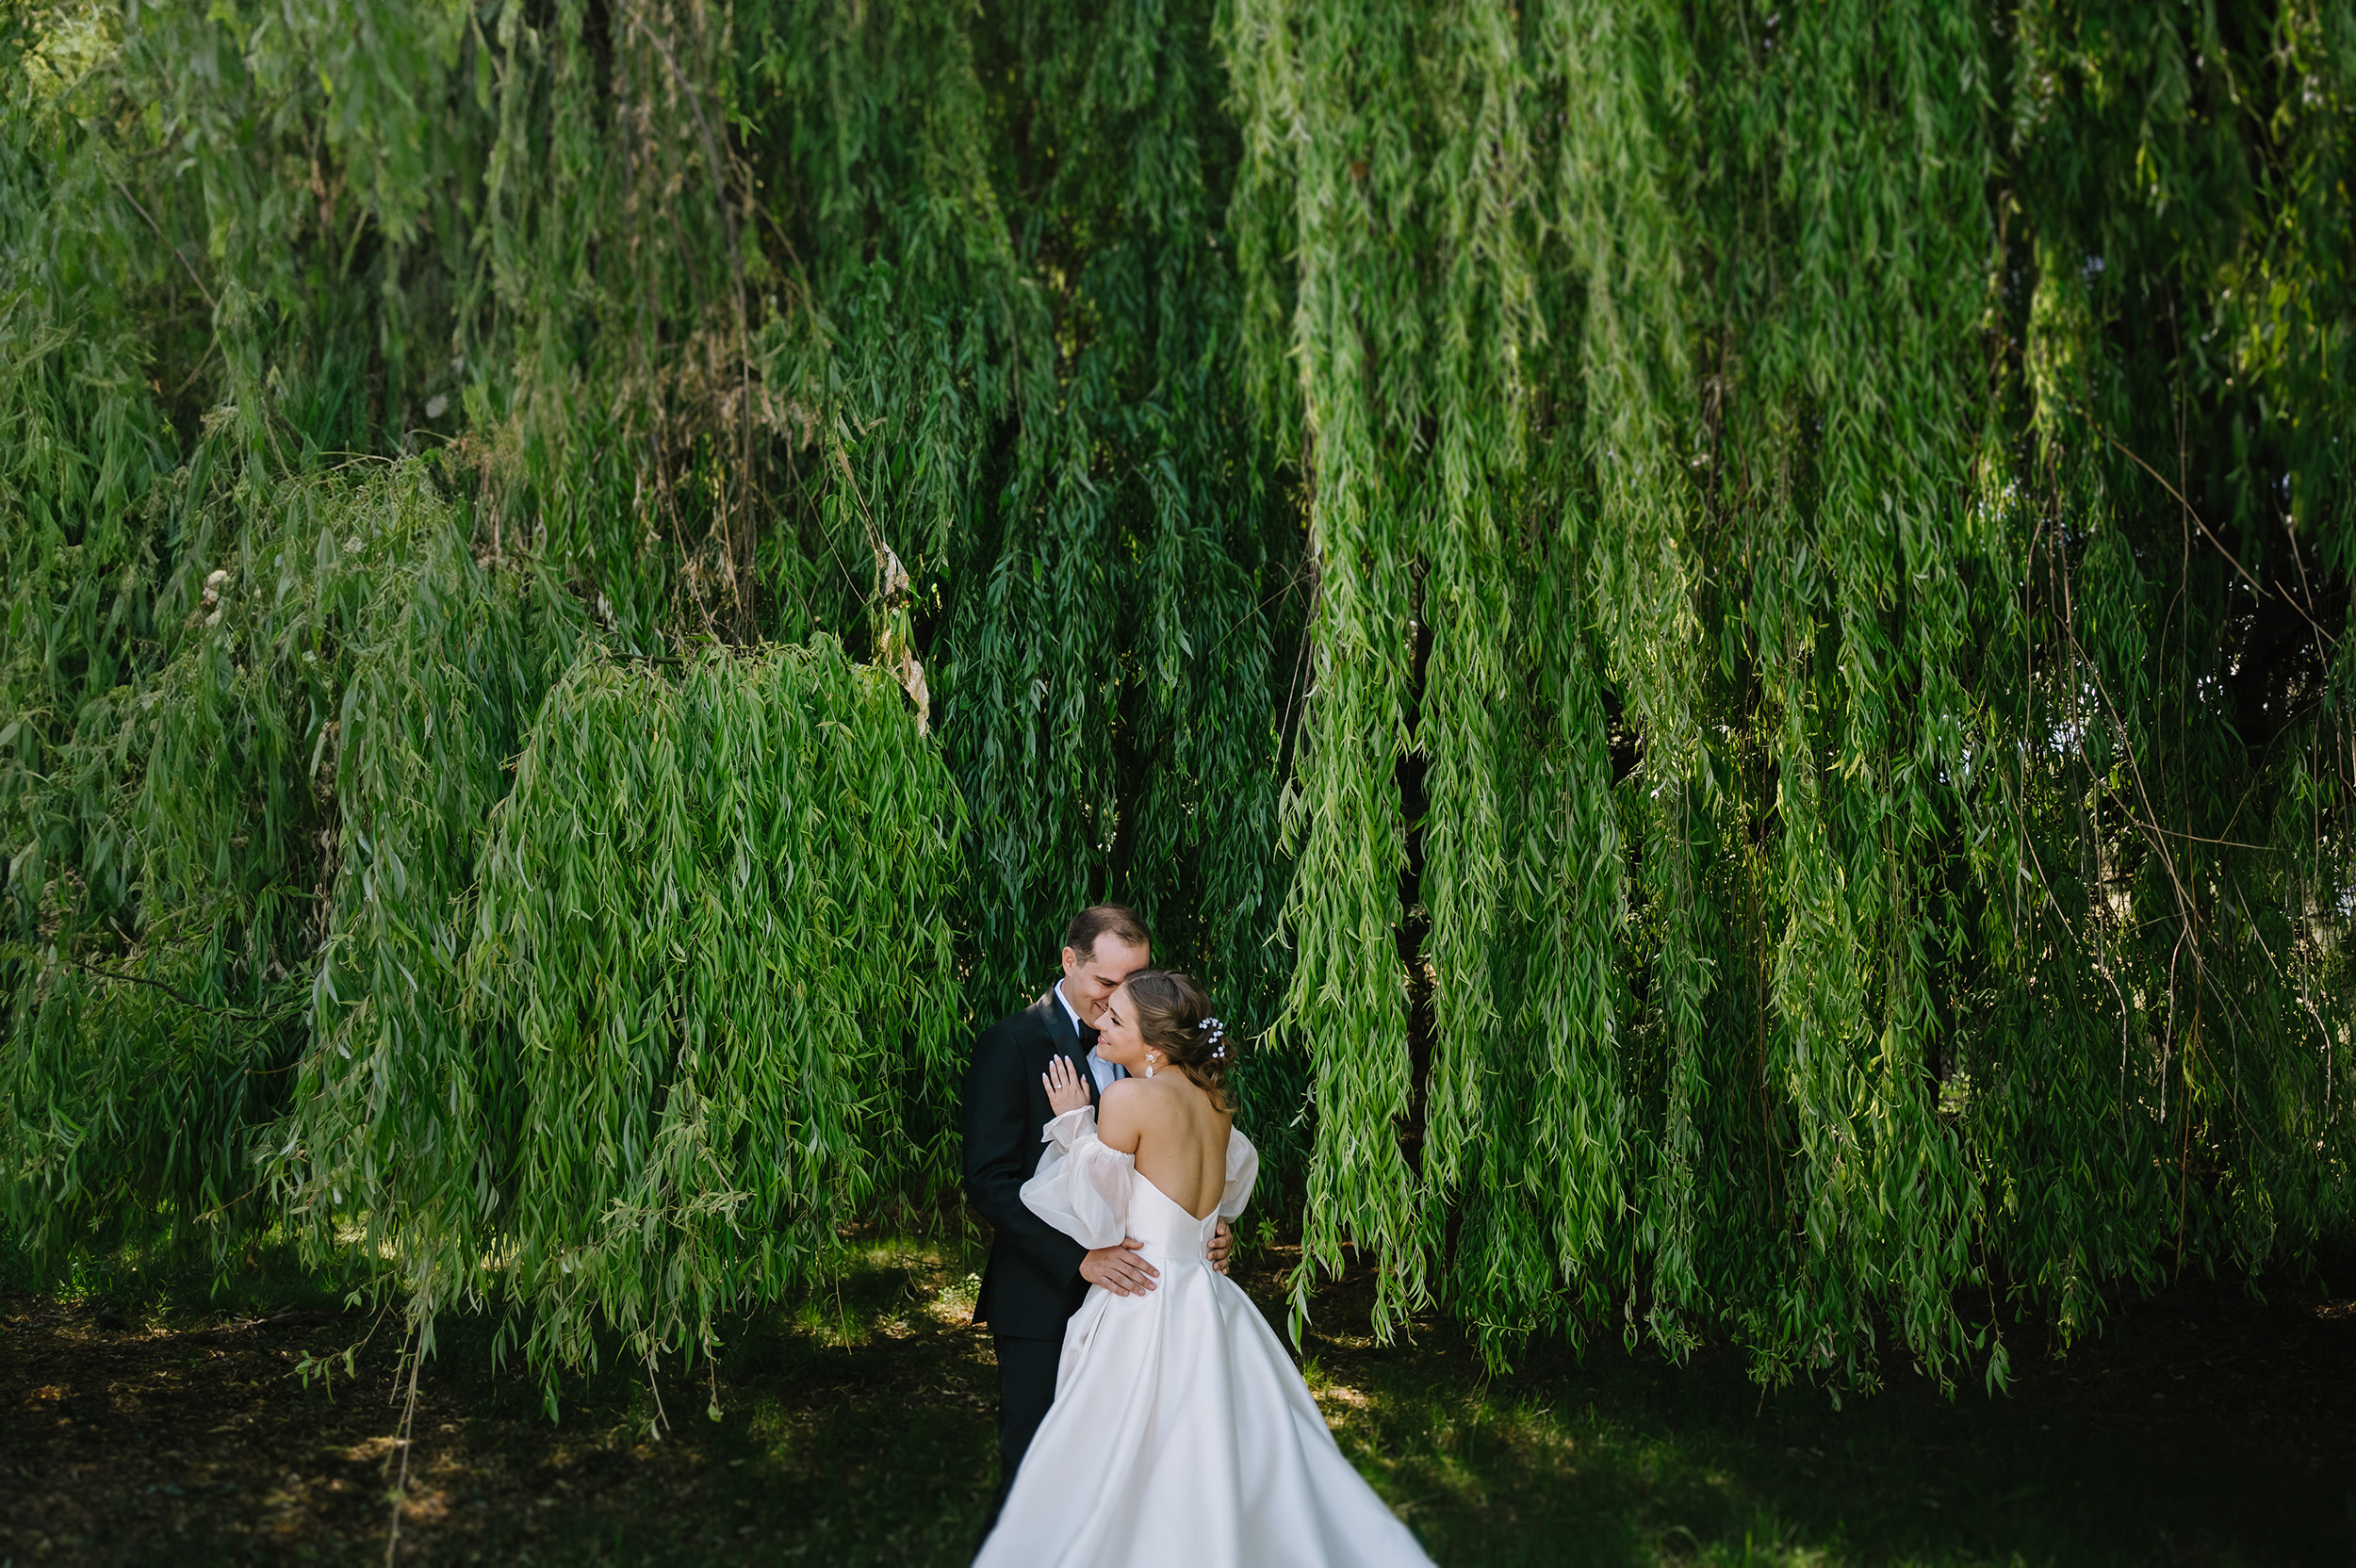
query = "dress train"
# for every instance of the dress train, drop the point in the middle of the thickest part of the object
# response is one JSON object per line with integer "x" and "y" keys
{"x": 1181, "y": 1436}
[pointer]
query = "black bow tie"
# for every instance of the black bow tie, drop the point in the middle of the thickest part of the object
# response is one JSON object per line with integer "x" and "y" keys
{"x": 1088, "y": 1038}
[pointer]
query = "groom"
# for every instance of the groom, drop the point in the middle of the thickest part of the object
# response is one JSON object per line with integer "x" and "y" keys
{"x": 1036, "y": 1275}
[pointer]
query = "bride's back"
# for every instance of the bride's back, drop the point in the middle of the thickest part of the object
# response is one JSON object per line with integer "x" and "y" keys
{"x": 1172, "y": 1113}
{"x": 1179, "y": 1134}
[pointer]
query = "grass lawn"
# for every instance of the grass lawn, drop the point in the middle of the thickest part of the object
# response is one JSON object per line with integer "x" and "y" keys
{"x": 145, "y": 1427}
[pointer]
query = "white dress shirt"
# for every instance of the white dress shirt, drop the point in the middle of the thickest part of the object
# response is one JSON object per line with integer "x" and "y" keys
{"x": 1105, "y": 1073}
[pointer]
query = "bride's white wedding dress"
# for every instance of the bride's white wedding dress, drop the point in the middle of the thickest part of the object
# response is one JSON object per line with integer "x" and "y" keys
{"x": 1180, "y": 1435}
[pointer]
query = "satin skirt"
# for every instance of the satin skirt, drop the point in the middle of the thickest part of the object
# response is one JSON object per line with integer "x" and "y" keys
{"x": 1181, "y": 1437}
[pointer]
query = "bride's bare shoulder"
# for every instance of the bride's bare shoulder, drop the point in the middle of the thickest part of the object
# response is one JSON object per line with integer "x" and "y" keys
{"x": 1123, "y": 1111}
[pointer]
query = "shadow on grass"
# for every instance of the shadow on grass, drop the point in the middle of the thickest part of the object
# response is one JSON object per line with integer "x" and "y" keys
{"x": 855, "y": 1429}
{"x": 2204, "y": 1428}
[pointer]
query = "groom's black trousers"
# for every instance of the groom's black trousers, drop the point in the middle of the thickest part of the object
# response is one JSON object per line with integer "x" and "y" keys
{"x": 1027, "y": 1387}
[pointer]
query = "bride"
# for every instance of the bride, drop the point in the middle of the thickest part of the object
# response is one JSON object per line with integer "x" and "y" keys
{"x": 1180, "y": 1434}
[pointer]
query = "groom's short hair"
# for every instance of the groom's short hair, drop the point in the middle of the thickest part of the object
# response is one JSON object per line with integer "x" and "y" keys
{"x": 1100, "y": 919}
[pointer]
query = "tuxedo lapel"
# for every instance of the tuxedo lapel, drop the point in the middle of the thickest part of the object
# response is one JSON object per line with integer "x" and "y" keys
{"x": 1064, "y": 1040}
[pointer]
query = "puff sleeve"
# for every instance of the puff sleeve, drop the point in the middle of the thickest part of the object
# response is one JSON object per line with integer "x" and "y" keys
{"x": 1243, "y": 1170}
{"x": 1082, "y": 1187}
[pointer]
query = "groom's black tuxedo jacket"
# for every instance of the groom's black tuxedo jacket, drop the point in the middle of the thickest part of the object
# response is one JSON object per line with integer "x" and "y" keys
{"x": 1031, "y": 1283}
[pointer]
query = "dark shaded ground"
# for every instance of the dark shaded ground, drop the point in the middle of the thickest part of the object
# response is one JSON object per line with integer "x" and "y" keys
{"x": 2204, "y": 1428}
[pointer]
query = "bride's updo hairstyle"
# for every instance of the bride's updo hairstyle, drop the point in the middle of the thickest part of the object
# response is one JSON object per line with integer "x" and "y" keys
{"x": 1173, "y": 1016}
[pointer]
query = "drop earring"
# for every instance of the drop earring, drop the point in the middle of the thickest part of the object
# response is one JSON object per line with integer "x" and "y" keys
{"x": 1149, "y": 1066}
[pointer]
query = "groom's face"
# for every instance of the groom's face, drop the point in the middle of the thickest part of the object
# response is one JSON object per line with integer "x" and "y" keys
{"x": 1090, "y": 978}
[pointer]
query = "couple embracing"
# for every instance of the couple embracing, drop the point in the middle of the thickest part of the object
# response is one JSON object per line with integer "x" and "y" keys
{"x": 1147, "y": 1414}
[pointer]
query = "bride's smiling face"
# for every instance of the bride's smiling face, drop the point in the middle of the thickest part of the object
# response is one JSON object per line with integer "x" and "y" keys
{"x": 1118, "y": 1040}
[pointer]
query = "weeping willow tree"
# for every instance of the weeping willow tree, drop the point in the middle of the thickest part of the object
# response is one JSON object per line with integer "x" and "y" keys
{"x": 1825, "y": 796}
{"x": 584, "y": 584}
{"x": 1727, "y": 622}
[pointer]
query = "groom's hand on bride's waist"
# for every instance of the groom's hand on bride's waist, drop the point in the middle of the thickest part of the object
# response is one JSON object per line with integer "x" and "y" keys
{"x": 1220, "y": 1240}
{"x": 1119, "y": 1269}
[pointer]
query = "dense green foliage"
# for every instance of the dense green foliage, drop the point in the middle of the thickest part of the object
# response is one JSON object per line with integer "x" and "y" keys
{"x": 1924, "y": 424}
{"x": 354, "y": 883}
{"x": 1732, "y": 619}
